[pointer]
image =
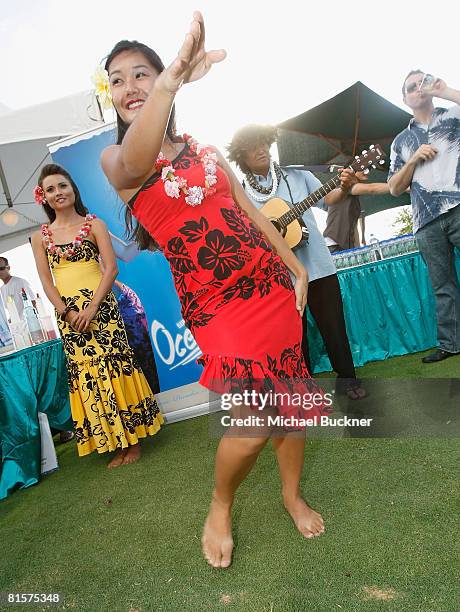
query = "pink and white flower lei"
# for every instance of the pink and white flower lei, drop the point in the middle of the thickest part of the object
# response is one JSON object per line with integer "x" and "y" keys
{"x": 69, "y": 250}
{"x": 174, "y": 185}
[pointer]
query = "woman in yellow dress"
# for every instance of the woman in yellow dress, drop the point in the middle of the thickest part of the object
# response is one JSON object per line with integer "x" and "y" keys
{"x": 112, "y": 404}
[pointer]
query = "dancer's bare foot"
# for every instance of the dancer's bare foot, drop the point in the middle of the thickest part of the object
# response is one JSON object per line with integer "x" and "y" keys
{"x": 133, "y": 454}
{"x": 308, "y": 522}
{"x": 118, "y": 459}
{"x": 217, "y": 542}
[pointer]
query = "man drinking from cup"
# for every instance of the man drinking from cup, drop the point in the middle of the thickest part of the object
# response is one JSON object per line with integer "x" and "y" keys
{"x": 426, "y": 157}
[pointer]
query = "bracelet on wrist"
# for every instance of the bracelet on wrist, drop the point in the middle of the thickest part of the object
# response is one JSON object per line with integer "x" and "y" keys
{"x": 65, "y": 312}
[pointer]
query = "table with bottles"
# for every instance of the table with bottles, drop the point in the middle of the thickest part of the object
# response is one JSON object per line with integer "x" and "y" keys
{"x": 33, "y": 326}
{"x": 388, "y": 302}
{"x": 375, "y": 251}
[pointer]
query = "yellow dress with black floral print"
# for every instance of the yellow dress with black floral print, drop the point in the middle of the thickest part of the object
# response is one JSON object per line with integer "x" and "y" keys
{"x": 112, "y": 404}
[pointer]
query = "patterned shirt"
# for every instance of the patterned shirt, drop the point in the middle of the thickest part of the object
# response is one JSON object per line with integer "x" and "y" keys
{"x": 314, "y": 255}
{"x": 435, "y": 187}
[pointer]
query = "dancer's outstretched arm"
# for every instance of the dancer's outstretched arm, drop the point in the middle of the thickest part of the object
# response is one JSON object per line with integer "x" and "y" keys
{"x": 127, "y": 164}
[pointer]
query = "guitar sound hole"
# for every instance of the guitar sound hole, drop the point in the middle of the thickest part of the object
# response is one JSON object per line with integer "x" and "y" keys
{"x": 281, "y": 230}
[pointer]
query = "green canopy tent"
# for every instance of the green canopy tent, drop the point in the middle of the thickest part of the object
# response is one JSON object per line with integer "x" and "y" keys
{"x": 336, "y": 130}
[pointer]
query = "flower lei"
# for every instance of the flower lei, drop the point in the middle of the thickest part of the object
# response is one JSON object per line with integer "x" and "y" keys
{"x": 69, "y": 250}
{"x": 174, "y": 185}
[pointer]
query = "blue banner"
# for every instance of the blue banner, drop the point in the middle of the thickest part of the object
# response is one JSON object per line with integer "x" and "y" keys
{"x": 148, "y": 274}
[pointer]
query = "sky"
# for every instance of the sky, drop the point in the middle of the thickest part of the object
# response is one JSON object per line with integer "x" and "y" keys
{"x": 283, "y": 57}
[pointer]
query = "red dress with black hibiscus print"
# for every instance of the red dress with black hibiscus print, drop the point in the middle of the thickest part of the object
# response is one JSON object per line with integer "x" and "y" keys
{"x": 236, "y": 293}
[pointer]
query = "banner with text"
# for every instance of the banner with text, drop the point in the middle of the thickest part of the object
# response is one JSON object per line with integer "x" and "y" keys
{"x": 148, "y": 274}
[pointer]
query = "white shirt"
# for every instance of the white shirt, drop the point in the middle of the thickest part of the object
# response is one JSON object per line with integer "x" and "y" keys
{"x": 13, "y": 287}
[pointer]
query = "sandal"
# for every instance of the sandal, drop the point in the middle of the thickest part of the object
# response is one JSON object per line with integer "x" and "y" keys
{"x": 355, "y": 392}
{"x": 66, "y": 436}
{"x": 351, "y": 388}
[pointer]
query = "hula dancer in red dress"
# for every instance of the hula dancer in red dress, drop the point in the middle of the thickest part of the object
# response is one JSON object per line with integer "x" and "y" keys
{"x": 229, "y": 264}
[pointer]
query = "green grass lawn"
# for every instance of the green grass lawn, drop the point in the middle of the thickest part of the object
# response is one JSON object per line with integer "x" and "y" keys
{"x": 129, "y": 539}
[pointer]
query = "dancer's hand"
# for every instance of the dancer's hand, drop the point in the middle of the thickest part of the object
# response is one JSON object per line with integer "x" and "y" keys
{"x": 82, "y": 319}
{"x": 301, "y": 292}
{"x": 193, "y": 62}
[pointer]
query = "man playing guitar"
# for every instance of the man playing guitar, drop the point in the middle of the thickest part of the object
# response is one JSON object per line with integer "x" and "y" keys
{"x": 264, "y": 179}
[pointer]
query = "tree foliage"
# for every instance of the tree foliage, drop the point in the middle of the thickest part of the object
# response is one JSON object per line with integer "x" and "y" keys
{"x": 404, "y": 222}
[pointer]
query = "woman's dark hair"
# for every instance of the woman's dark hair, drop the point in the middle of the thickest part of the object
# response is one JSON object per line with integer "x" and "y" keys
{"x": 134, "y": 230}
{"x": 154, "y": 60}
{"x": 51, "y": 169}
{"x": 247, "y": 138}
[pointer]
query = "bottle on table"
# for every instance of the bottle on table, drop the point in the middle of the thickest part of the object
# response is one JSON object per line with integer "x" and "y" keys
{"x": 375, "y": 248}
{"x": 411, "y": 244}
{"x": 45, "y": 320}
{"x": 18, "y": 327}
{"x": 6, "y": 338}
{"x": 31, "y": 319}
{"x": 338, "y": 260}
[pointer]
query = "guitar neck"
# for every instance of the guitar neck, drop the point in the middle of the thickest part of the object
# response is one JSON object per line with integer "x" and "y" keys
{"x": 298, "y": 209}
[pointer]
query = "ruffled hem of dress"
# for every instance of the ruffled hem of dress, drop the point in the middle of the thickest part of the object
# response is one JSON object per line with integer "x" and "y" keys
{"x": 111, "y": 402}
{"x": 137, "y": 421}
{"x": 230, "y": 374}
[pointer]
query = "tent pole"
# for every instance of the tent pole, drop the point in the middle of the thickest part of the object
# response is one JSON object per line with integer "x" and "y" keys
{"x": 6, "y": 189}
{"x": 34, "y": 171}
{"x": 357, "y": 115}
{"x": 332, "y": 143}
{"x": 362, "y": 222}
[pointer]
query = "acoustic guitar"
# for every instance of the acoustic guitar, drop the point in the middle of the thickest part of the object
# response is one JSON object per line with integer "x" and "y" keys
{"x": 287, "y": 219}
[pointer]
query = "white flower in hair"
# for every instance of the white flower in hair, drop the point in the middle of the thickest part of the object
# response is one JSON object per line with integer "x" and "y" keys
{"x": 100, "y": 81}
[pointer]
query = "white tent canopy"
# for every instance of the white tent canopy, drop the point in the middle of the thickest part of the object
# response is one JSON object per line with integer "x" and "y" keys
{"x": 24, "y": 136}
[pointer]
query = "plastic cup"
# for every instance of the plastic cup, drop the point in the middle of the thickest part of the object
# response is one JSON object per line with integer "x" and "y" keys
{"x": 427, "y": 82}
